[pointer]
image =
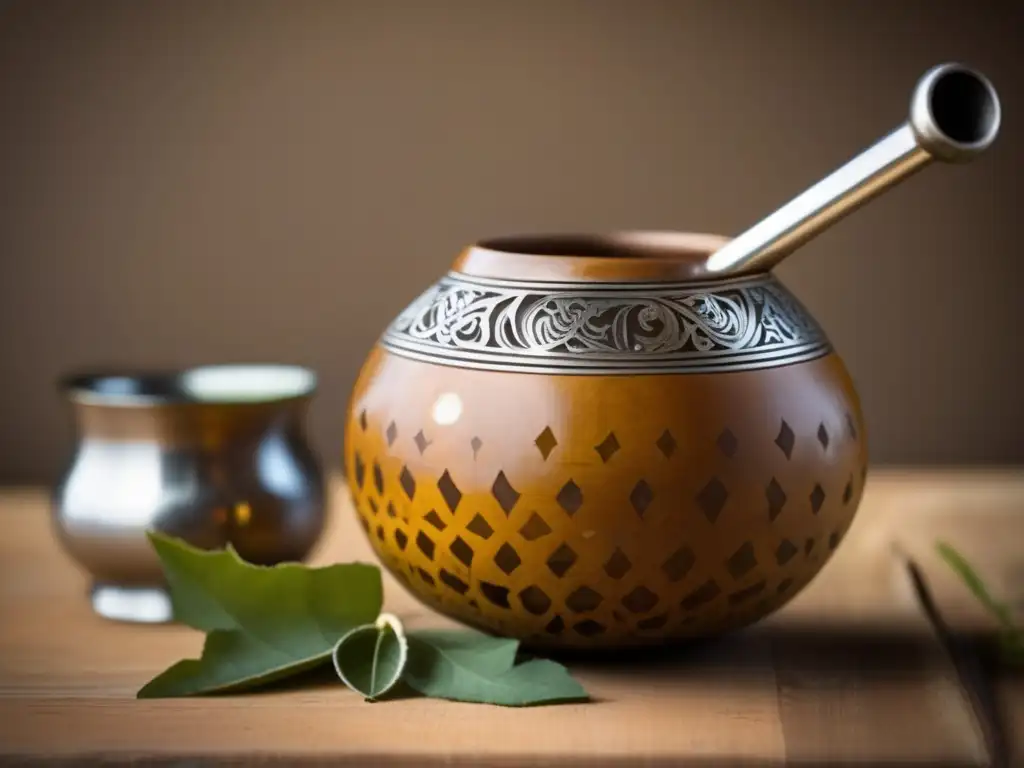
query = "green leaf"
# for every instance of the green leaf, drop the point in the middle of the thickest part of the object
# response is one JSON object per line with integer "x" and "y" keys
{"x": 264, "y": 623}
{"x": 370, "y": 659}
{"x": 485, "y": 654}
{"x": 1011, "y": 635}
{"x": 472, "y": 667}
{"x": 232, "y": 661}
{"x": 974, "y": 583}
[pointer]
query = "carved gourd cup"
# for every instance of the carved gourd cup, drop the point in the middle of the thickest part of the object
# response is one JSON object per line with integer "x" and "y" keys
{"x": 581, "y": 442}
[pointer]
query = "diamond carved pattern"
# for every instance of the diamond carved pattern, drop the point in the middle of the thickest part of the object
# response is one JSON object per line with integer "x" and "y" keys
{"x": 776, "y": 499}
{"x": 640, "y": 600}
{"x": 679, "y": 564}
{"x": 712, "y": 498}
{"x": 546, "y": 442}
{"x": 823, "y": 436}
{"x": 589, "y": 628}
{"x": 618, "y": 565}
{"x": 666, "y": 444}
{"x": 561, "y": 560}
{"x": 608, "y": 447}
{"x": 406, "y": 493}
{"x": 507, "y": 559}
{"x": 705, "y": 593}
{"x": 570, "y": 498}
{"x": 453, "y": 582}
{"x": 462, "y": 551}
{"x": 535, "y": 600}
{"x": 449, "y": 491}
{"x": 786, "y": 440}
{"x": 785, "y": 552}
{"x": 534, "y": 528}
{"x": 425, "y": 545}
{"x": 435, "y": 520}
{"x": 360, "y": 470}
{"x": 817, "y": 498}
{"x": 504, "y": 493}
{"x": 496, "y": 594}
{"x": 480, "y": 527}
{"x": 421, "y": 442}
{"x": 727, "y": 443}
{"x": 408, "y": 483}
{"x": 641, "y": 497}
{"x": 583, "y": 599}
{"x": 746, "y": 594}
{"x": 742, "y": 561}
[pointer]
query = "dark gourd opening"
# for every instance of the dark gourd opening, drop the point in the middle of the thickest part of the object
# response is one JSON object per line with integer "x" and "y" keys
{"x": 622, "y": 245}
{"x": 607, "y": 257}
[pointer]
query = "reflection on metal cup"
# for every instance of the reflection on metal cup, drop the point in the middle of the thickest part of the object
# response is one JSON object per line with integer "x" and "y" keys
{"x": 215, "y": 455}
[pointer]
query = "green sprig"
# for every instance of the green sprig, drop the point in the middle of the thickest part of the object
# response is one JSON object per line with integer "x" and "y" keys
{"x": 1011, "y": 634}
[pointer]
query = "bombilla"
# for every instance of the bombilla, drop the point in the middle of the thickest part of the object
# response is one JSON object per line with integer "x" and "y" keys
{"x": 954, "y": 117}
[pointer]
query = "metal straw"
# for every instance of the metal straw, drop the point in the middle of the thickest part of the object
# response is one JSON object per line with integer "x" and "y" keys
{"x": 954, "y": 117}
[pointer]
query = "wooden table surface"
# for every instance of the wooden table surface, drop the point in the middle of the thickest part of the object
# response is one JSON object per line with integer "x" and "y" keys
{"x": 850, "y": 672}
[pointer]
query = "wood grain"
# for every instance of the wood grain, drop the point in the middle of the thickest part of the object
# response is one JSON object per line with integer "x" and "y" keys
{"x": 847, "y": 672}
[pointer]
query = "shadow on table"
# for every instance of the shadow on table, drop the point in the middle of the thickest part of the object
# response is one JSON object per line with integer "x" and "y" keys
{"x": 824, "y": 653}
{"x": 818, "y": 656}
{"x": 812, "y": 648}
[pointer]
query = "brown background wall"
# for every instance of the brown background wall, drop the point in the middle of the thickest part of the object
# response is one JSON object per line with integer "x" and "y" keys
{"x": 191, "y": 182}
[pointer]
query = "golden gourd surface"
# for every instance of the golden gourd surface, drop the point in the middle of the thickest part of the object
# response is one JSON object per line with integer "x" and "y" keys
{"x": 604, "y": 511}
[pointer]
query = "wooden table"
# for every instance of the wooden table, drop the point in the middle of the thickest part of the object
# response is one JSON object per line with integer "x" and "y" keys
{"x": 850, "y": 672}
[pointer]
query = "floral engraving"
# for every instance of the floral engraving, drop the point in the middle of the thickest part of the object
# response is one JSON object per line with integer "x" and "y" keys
{"x": 672, "y": 327}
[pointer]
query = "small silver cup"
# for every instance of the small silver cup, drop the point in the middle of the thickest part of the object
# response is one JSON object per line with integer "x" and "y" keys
{"x": 210, "y": 455}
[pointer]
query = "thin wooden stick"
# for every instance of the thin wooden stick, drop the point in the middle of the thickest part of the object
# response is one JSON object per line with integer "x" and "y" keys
{"x": 974, "y": 680}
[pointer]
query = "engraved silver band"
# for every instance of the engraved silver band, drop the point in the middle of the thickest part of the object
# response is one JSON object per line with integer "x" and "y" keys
{"x": 606, "y": 328}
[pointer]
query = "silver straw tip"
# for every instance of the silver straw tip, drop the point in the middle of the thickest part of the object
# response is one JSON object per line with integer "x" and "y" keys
{"x": 954, "y": 113}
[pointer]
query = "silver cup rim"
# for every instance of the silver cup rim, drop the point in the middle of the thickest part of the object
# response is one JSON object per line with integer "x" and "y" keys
{"x": 220, "y": 384}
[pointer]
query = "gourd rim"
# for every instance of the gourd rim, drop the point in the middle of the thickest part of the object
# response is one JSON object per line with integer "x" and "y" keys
{"x": 618, "y": 256}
